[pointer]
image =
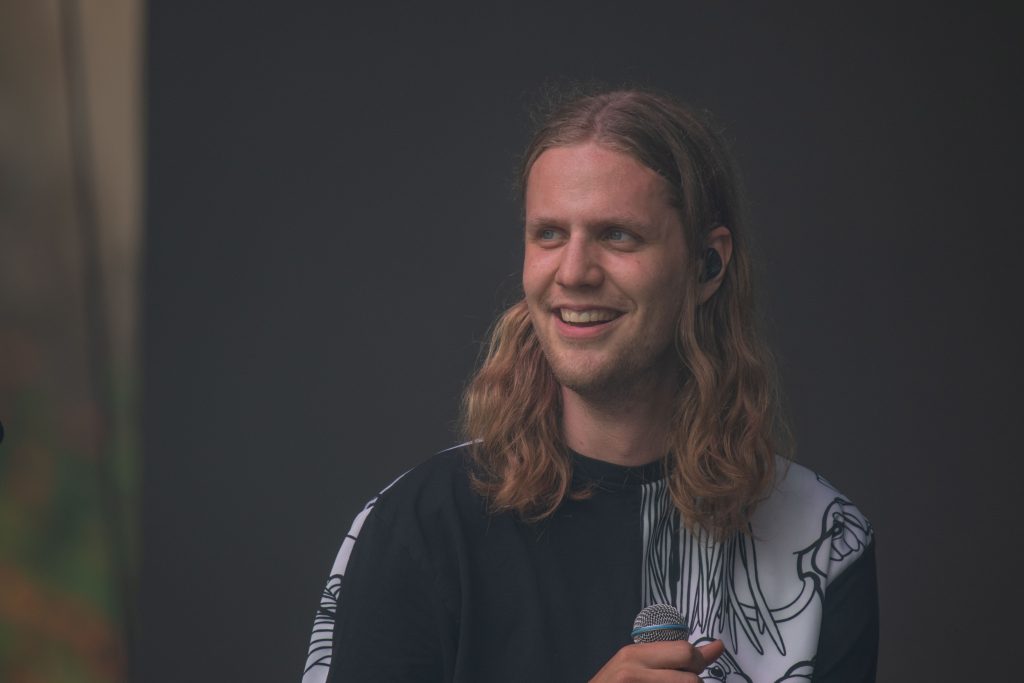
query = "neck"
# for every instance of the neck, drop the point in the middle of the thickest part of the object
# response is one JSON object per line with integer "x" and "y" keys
{"x": 627, "y": 429}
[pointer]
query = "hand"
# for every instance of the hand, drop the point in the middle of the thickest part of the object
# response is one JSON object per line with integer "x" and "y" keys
{"x": 669, "y": 662}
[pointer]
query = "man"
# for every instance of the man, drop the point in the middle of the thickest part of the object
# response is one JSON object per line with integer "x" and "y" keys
{"x": 622, "y": 452}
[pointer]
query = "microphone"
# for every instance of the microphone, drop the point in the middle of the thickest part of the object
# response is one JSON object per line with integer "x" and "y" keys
{"x": 659, "y": 622}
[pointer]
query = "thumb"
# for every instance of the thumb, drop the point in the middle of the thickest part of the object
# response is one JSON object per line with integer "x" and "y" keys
{"x": 711, "y": 651}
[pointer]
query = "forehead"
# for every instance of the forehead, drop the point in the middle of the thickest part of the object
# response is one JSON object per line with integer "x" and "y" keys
{"x": 589, "y": 178}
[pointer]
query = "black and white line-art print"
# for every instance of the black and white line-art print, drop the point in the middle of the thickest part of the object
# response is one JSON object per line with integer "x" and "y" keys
{"x": 724, "y": 669}
{"x": 321, "y": 645}
{"x": 764, "y": 601}
{"x": 718, "y": 587}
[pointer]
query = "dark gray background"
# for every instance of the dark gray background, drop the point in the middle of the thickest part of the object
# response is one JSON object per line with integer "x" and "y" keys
{"x": 331, "y": 229}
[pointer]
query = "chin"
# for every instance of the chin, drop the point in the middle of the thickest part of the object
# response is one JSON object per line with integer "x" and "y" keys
{"x": 592, "y": 379}
{"x": 607, "y": 378}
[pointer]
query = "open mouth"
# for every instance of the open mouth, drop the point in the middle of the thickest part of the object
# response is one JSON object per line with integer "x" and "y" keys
{"x": 586, "y": 318}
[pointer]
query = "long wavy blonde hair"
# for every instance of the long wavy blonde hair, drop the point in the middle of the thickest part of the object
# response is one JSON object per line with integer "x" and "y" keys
{"x": 727, "y": 426}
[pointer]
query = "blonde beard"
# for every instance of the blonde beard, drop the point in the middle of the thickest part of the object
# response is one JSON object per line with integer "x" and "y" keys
{"x": 619, "y": 381}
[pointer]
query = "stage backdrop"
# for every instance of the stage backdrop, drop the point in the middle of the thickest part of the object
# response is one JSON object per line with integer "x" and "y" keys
{"x": 331, "y": 228}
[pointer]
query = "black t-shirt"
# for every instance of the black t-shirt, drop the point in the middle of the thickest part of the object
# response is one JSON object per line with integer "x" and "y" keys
{"x": 430, "y": 587}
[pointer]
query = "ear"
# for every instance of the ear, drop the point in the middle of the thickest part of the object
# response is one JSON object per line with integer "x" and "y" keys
{"x": 719, "y": 239}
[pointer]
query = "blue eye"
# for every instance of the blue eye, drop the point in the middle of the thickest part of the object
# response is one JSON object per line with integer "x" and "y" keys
{"x": 547, "y": 234}
{"x": 619, "y": 236}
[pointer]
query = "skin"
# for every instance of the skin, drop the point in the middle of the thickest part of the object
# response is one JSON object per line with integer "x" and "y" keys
{"x": 672, "y": 662}
{"x": 602, "y": 237}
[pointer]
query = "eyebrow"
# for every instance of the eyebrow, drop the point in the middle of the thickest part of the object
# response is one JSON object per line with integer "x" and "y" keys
{"x": 627, "y": 222}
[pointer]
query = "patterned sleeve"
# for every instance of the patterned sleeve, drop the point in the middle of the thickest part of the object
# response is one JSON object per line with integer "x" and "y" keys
{"x": 377, "y": 617}
{"x": 318, "y": 660}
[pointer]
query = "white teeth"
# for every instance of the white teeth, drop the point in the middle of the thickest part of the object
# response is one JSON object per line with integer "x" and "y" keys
{"x": 594, "y": 316}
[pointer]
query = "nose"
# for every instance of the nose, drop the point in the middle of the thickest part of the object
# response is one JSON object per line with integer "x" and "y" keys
{"x": 579, "y": 265}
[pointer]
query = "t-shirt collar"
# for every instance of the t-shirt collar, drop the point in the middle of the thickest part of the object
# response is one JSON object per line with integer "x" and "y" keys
{"x": 590, "y": 471}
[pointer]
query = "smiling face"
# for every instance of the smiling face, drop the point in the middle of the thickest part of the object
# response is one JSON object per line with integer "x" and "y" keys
{"x": 604, "y": 269}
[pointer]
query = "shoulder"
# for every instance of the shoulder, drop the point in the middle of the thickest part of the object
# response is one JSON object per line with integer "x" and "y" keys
{"x": 436, "y": 487}
{"x": 427, "y": 482}
{"x": 407, "y": 508}
{"x": 391, "y": 558}
{"x": 807, "y": 515}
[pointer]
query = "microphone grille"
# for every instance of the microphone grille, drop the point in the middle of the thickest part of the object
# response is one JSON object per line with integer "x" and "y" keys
{"x": 659, "y": 622}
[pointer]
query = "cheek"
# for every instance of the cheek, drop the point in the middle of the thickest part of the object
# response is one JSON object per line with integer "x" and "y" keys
{"x": 665, "y": 294}
{"x": 535, "y": 274}
{"x": 529, "y": 282}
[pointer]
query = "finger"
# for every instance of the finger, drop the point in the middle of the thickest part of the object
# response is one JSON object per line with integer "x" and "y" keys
{"x": 710, "y": 652}
{"x": 667, "y": 662}
{"x": 670, "y": 676}
{"x": 700, "y": 657}
{"x": 677, "y": 655}
{"x": 660, "y": 655}
{"x": 660, "y": 676}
